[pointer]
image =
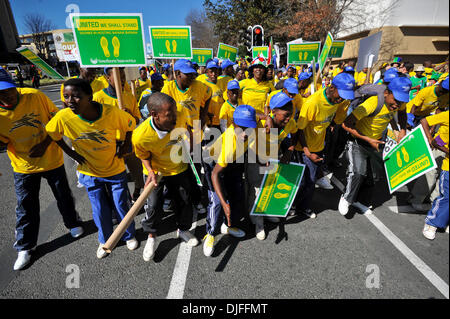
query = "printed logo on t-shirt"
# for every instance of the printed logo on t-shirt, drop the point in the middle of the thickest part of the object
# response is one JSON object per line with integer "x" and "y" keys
{"x": 26, "y": 120}
{"x": 96, "y": 136}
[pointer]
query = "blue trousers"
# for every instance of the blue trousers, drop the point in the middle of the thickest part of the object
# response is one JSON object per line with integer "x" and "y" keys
{"x": 308, "y": 183}
{"x": 438, "y": 215}
{"x": 233, "y": 187}
{"x": 101, "y": 207}
{"x": 27, "y": 188}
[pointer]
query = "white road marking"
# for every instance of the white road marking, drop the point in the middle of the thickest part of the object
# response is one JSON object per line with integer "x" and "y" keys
{"x": 178, "y": 282}
{"x": 402, "y": 209}
{"x": 440, "y": 284}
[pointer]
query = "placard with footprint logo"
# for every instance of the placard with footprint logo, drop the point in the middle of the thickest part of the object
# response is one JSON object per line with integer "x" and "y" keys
{"x": 171, "y": 42}
{"x": 201, "y": 55}
{"x": 115, "y": 40}
{"x": 278, "y": 190}
{"x": 410, "y": 159}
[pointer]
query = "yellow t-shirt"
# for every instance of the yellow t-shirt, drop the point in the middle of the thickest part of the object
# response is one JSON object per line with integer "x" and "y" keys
{"x": 128, "y": 100}
{"x": 426, "y": 101}
{"x": 147, "y": 144}
{"x": 255, "y": 94}
{"x": 226, "y": 112}
{"x": 202, "y": 77}
{"x": 96, "y": 86}
{"x": 193, "y": 98}
{"x": 142, "y": 86}
{"x": 216, "y": 102}
{"x": 373, "y": 126}
{"x": 360, "y": 78}
{"x": 23, "y": 127}
{"x": 336, "y": 71}
{"x": 225, "y": 151}
{"x": 94, "y": 140}
{"x": 316, "y": 115}
{"x": 443, "y": 120}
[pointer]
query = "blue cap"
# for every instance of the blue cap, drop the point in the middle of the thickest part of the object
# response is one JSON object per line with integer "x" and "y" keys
{"x": 304, "y": 76}
{"x": 6, "y": 82}
{"x": 349, "y": 69}
{"x": 166, "y": 66}
{"x": 279, "y": 100}
{"x": 400, "y": 87}
{"x": 291, "y": 67}
{"x": 226, "y": 64}
{"x": 390, "y": 74}
{"x": 216, "y": 60}
{"x": 233, "y": 84}
{"x": 291, "y": 85}
{"x": 245, "y": 116}
{"x": 156, "y": 77}
{"x": 211, "y": 65}
{"x": 184, "y": 66}
{"x": 345, "y": 84}
{"x": 444, "y": 84}
{"x": 194, "y": 63}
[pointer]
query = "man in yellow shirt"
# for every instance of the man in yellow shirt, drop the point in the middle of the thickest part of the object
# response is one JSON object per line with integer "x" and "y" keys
{"x": 143, "y": 82}
{"x": 339, "y": 68}
{"x": 316, "y": 115}
{"x": 109, "y": 96}
{"x": 363, "y": 147}
{"x": 24, "y": 112}
{"x": 427, "y": 101}
{"x": 154, "y": 141}
{"x": 439, "y": 214}
{"x": 223, "y": 173}
{"x": 92, "y": 128}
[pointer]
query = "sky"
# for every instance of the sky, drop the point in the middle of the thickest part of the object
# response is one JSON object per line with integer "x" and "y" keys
{"x": 159, "y": 12}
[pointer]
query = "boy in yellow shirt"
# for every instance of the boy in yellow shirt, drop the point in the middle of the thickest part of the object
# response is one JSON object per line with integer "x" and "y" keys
{"x": 363, "y": 147}
{"x": 229, "y": 106}
{"x": 439, "y": 214}
{"x": 24, "y": 112}
{"x": 154, "y": 141}
{"x": 92, "y": 128}
{"x": 143, "y": 82}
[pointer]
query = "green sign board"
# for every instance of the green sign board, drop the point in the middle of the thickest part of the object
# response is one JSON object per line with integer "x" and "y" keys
{"x": 264, "y": 51}
{"x": 226, "y": 51}
{"x": 411, "y": 158}
{"x": 39, "y": 63}
{"x": 337, "y": 49}
{"x": 115, "y": 40}
{"x": 202, "y": 55}
{"x": 301, "y": 53}
{"x": 325, "y": 51}
{"x": 278, "y": 190}
{"x": 171, "y": 42}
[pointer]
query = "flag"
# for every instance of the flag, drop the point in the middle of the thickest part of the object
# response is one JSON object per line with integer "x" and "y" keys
{"x": 269, "y": 59}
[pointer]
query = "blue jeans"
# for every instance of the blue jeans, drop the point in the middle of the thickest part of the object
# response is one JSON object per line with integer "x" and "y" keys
{"x": 101, "y": 206}
{"x": 27, "y": 188}
{"x": 308, "y": 183}
{"x": 438, "y": 215}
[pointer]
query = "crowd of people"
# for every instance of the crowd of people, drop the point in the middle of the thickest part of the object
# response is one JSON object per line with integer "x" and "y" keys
{"x": 212, "y": 113}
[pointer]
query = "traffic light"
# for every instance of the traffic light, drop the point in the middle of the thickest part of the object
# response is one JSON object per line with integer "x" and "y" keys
{"x": 248, "y": 38}
{"x": 258, "y": 36}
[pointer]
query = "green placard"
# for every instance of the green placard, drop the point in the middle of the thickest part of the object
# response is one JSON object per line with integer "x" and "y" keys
{"x": 325, "y": 51}
{"x": 337, "y": 49}
{"x": 39, "y": 63}
{"x": 226, "y": 51}
{"x": 411, "y": 158}
{"x": 260, "y": 50}
{"x": 302, "y": 53}
{"x": 109, "y": 39}
{"x": 202, "y": 55}
{"x": 171, "y": 42}
{"x": 278, "y": 190}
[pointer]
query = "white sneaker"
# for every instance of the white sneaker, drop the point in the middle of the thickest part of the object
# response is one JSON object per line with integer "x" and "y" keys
{"x": 343, "y": 206}
{"x": 208, "y": 245}
{"x": 23, "y": 259}
{"x": 260, "y": 232}
{"x": 446, "y": 230}
{"x": 200, "y": 209}
{"x": 76, "y": 232}
{"x": 429, "y": 231}
{"x": 101, "y": 253}
{"x": 309, "y": 213}
{"x": 274, "y": 220}
{"x": 149, "y": 249}
{"x": 233, "y": 231}
{"x": 421, "y": 207}
{"x": 364, "y": 209}
{"x": 324, "y": 183}
{"x": 187, "y": 237}
{"x": 132, "y": 244}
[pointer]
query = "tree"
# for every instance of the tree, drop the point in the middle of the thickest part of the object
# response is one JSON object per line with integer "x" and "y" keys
{"x": 201, "y": 27}
{"x": 38, "y": 25}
